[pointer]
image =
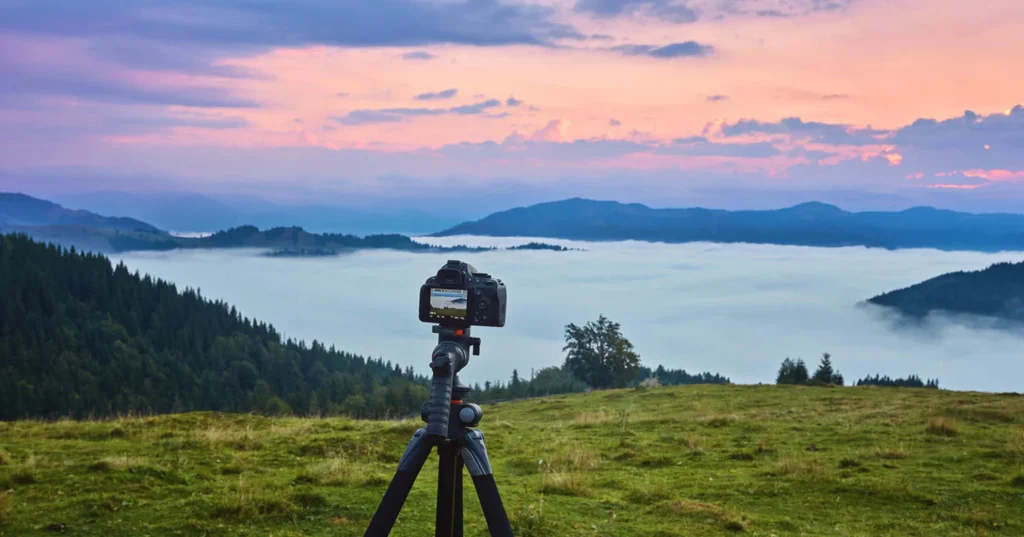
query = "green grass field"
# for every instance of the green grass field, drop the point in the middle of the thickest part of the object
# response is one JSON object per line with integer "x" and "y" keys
{"x": 683, "y": 461}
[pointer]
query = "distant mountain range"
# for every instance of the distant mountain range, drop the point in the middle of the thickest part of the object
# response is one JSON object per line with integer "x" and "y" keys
{"x": 808, "y": 224}
{"x": 185, "y": 212}
{"x": 997, "y": 291}
{"x": 21, "y": 210}
{"x": 49, "y": 222}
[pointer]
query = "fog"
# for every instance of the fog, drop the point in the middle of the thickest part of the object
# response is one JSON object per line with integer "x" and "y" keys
{"x": 738, "y": 310}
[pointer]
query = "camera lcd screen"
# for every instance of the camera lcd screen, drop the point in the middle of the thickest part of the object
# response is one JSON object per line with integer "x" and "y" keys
{"x": 448, "y": 303}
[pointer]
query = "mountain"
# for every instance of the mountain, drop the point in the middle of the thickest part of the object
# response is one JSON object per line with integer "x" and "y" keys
{"x": 807, "y": 224}
{"x": 186, "y": 212}
{"x": 20, "y": 210}
{"x": 48, "y": 222}
{"x": 80, "y": 337}
{"x": 997, "y": 291}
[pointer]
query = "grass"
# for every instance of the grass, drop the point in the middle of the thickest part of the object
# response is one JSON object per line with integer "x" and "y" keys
{"x": 661, "y": 462}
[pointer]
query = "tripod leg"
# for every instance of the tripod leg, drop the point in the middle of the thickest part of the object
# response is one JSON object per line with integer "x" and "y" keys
{"x": 408, "y": 468}
{"x": 474, "y": 453}
{"x": 446, "y": 485}
{"x": 457, "y": 525}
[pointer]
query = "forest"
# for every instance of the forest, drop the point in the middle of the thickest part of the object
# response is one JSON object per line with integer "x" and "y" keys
{"x": 997, "y": 291}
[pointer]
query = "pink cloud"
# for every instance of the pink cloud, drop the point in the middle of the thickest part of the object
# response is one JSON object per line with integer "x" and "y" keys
{"x": 555, "y": 131}
{"x": 955, "y": 186}
{"x": 995, "y": 175}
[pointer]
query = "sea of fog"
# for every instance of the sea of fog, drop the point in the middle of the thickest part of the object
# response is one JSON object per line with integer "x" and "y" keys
{"x": 734, "y": 309}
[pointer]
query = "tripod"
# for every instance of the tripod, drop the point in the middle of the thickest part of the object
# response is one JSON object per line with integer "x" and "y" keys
{"x": 458, "y": 445}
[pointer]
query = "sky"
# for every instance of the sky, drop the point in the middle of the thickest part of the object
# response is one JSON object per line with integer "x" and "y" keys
{"x": 868, "y": 104}
{"x": 733, "y": 309}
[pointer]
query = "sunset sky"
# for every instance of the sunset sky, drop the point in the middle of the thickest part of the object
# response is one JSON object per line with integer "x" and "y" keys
{"x": 725, "y": 103}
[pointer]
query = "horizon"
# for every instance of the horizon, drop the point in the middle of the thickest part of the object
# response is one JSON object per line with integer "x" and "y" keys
{"x": 863, "y": 104}
{"x": 424, "y": 234}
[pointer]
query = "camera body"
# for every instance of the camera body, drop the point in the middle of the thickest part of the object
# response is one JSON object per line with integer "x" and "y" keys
{"x": 459, "y": 297}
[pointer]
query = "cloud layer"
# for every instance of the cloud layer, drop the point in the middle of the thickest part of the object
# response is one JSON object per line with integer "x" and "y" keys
{"x": 738, "y": 310}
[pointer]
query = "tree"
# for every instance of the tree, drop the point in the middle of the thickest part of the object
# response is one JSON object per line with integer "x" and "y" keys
{"x": 599, "y": 355}
{"x": 825, "y": 374}
{"x": 800, "y": 374}
{"x": 792, "y": 372}
{"x": 785, "y": 375}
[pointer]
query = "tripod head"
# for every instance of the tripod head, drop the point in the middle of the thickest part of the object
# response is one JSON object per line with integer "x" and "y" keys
{"x": 450, "y": 356}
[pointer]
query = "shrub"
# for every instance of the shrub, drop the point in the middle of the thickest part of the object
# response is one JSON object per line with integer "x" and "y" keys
{"x": 1018, "y": 481}
{"x": 529, "y": 521}
{"x": 941, "y": 427}
{"x": 693, "y": 444}
{"x": 249, "y": 501}
{"x": 574, "y": 457}
{"x": 566, "y": 484}
{"x": 23, "y": 477}
{"x": 801, "y": 467}
{"x": 891, "y": 454}
{"x": 5, "y": 506}
{"x": 309, "y": 499}
{"x": 649, "y": 495}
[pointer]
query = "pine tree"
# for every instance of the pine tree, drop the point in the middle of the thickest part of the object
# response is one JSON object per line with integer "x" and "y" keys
{"x": 825, "y": 374}
{"x": 786, "y": 371}
{"x": 800, "y": 374}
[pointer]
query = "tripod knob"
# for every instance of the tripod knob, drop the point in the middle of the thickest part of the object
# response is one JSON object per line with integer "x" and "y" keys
{"x": 471, "y": 414}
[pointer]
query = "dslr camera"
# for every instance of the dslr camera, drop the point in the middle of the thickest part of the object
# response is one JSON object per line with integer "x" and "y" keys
{"x": 460, "y": 297}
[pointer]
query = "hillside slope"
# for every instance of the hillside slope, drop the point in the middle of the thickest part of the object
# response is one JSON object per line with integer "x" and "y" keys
{"x": 807, "y": 224}
{"x": 80, "y": 337}
{"x": 667, "y": 462}
{"x": 997, "y": 291}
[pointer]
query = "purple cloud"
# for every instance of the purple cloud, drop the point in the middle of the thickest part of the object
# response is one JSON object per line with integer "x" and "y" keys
{"x": 674, "y": 50}
{"x": 418, "y": 55}
{"x": 826, "y": 133}
{"x": 437, "y": 95}
{"x": 670, "y": 10}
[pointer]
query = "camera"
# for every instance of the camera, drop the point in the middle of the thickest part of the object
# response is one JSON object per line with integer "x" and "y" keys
{"x": 459, "y": 296}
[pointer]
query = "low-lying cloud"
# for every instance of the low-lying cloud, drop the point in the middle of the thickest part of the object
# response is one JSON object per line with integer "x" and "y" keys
{"x": 738, "y": 310}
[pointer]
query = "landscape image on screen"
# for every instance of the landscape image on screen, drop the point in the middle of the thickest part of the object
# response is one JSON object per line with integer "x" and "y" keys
{"x": 448, "y": 303}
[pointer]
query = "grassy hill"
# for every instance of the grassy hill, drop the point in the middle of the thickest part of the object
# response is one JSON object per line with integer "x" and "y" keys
{"x": 695, "y": 460}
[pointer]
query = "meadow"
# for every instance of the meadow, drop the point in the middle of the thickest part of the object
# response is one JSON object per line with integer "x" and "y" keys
{"x": 662, "y": 462}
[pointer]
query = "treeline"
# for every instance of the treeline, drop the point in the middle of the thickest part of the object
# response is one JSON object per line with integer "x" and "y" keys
{"x": 80, "y": 337}
{"x": 558, "y": 380}
{"x": 795, "y": 372}
{"x": 913, "y": 381}
{"x": 678, "y": 377}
